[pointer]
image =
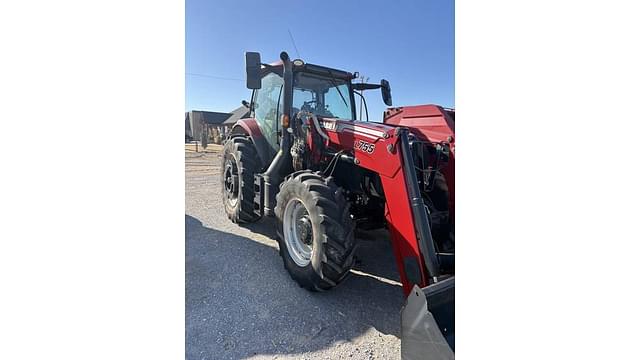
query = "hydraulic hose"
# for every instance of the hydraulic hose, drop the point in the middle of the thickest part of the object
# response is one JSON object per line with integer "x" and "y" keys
{"x": 316, "y": 124}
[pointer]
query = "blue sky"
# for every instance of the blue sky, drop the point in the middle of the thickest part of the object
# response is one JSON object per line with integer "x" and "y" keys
{"x": 409, "y": 43}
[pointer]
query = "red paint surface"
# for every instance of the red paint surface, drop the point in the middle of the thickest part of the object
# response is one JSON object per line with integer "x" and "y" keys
{"x": 250, "y": 126}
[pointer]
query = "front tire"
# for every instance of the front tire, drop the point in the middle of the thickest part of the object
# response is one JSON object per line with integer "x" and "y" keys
{"x": 315, "y": 230}
{"x": 239, "y": 165}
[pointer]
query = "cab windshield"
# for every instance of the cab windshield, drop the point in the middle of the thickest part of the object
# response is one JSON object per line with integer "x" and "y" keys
{"x": 323, "y": 96}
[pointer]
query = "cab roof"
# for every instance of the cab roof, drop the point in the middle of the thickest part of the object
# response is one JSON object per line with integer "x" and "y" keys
{"x": 318, "y": 70}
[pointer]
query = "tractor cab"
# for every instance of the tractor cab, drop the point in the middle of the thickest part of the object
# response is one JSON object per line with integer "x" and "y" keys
{"x": 323, "y": 91}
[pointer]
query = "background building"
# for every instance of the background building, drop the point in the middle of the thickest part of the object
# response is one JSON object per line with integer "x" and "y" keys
{"x": 210, "y": 126}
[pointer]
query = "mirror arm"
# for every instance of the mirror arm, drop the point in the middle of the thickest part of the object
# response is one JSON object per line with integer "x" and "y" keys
{"x": 366, "y": 86}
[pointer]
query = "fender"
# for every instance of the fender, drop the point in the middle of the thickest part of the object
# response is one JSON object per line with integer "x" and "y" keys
{"x": 250, "y": 128}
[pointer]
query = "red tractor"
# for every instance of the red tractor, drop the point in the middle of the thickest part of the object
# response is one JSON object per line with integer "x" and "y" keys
{"x": 305, "y": 159}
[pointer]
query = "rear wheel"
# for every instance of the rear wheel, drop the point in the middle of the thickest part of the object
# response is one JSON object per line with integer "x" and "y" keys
{"x": 315, "y": 230}
{"x": 238, "y": 167}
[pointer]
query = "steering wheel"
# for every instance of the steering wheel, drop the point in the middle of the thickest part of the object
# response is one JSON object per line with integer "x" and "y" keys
{"x": 306, "y": 106}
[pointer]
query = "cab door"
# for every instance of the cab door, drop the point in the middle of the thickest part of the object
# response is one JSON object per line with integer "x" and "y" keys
{"x": 267, "y": 107}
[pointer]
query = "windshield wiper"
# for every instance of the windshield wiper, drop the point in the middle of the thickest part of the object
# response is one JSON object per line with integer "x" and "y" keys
{"x": 337, "y": 88}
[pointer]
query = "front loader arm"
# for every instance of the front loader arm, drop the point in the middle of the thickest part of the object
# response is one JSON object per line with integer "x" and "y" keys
{"x": 385, "y": 151}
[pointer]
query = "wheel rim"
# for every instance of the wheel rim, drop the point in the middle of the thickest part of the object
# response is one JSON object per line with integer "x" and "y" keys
{"x": 231, "y": 182}
{"x": 298, "y": 232}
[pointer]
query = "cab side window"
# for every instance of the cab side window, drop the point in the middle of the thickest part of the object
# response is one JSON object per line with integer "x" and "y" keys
{"x": 267, "y": 106}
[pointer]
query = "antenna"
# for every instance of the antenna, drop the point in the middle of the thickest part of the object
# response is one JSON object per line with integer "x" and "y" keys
{"x": 294, "y": 43}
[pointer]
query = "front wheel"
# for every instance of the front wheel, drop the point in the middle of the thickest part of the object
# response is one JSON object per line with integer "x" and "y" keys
{"x": 315, "y": 230}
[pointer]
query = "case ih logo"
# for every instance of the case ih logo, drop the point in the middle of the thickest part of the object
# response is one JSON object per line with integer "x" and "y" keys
{"x": 364, "y": 146}
{"x": 329, "y": 125}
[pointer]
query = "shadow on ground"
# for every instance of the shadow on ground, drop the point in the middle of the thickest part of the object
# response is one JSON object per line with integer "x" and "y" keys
{"x": 241, "y": 302}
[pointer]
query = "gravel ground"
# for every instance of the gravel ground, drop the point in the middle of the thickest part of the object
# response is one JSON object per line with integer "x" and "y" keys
{"x": 241, "y": 302}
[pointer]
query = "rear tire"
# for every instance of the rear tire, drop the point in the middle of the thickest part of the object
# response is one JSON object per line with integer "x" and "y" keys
{"x": 325, "y": 251}
{"x": 239, "y": 164}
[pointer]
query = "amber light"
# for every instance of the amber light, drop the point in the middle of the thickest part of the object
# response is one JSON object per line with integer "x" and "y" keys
{"x": 285, "y": 120}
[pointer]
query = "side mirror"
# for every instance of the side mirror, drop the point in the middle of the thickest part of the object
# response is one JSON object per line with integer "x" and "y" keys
{"x": 252, "y": 64}
{"x": 386, "y": 92}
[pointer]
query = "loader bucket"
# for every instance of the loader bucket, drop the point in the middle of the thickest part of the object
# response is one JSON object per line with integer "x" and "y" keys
{"x": 428, "y": 322}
